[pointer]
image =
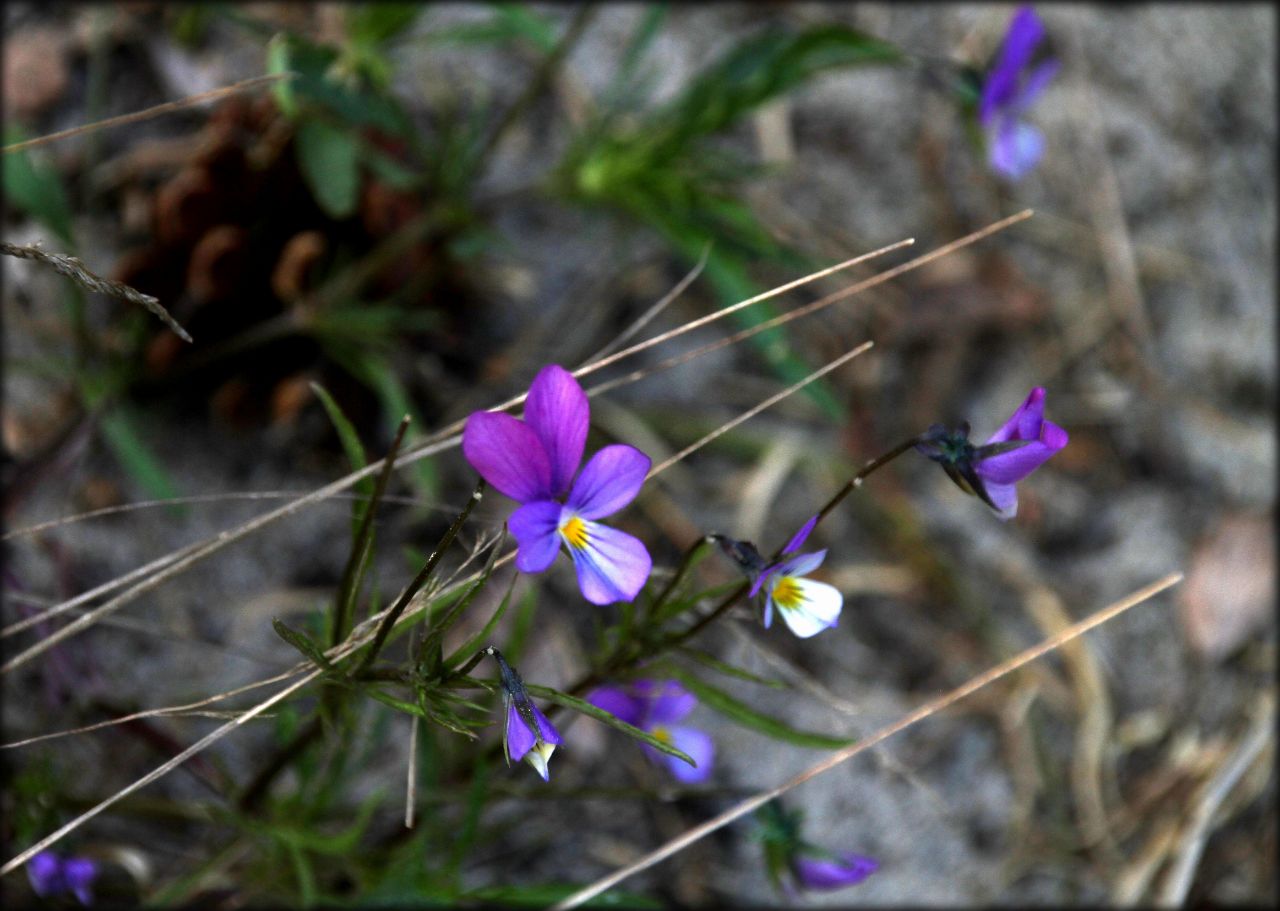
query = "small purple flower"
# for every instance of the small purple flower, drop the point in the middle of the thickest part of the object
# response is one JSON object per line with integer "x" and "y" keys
{"x": 1011, "y": 86}
{"x": 807, "y": 606}
{"x": 534, "y": 460}
{"x": 815, "y": 874}
{"x": 991, "y": 471}
{"x": 654, "y": 707}
{"x": 527, "y": 733}
{"x": 52, "y": 875}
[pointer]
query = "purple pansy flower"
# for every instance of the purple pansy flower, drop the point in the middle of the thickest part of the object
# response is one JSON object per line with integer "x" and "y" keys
{"x": 52, "y": 875}
{"x": 534, "y": 461}
{"x": 654, "y": 707}
{"x": 991, "y": 471}
{"x": 807, "y": 606}
{"x": 815, "y": 874}
{"x": 1010, "y": 88}
{"x": 527, "y": 733}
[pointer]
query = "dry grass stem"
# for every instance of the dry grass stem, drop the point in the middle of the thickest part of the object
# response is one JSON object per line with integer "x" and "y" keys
{"x": 148, "y": 113}
{"x": 929, "y": 708}
{"x": 75, "y": 270}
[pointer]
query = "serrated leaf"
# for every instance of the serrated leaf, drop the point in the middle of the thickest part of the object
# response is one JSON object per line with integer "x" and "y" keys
{"x": 586, "y": 708}
{"x": 719, "y": 701}
{"x": 329, "y": 159}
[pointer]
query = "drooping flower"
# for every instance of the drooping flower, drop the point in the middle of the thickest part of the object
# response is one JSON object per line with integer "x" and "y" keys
{"x": 1010, "y": 88}
{"x": 52, "y": 875}
{"x": 527, "y": 733}
{"x": 990, "y": 471}
{"x": 534, "y": 461}
{"x": 655, "y": 706}
{"x": 796, "y": 865}
{"x": 806, "y": 605}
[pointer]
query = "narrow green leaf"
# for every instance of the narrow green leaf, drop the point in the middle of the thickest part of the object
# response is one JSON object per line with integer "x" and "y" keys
{"x": 715, "y": 664}
{"x": 735, "y": 711}
{"x": 372, "y": 24}
{"x": 468, "y": 648}
{"x": 442, "y": 718}
{"x": 586, "y": 708}
{"x": 441, "y": 626}
{"x": 351, "y": 444}
{"x": 135, "y": 456}
{"x": 35, "y": 189}
{"x": 329, "y": 159}
{"x": 302, "y": 643}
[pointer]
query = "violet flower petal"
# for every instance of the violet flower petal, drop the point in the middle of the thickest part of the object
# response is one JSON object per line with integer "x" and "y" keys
{"x": 1024, "y": 423}
{"x": 546, "y": 728}
{"x": 535, "y": 527}
{"x": 619, "y": 703}
{"x": 520, "y": 739}
{"x": 507, "y": 454}
{"x": 609, "y": 482}
{"x": 612, "y": 566}
{"x": 671, "y": 703}
{"x": 1024, "y": 34}
{"x": 558, "y": 413}
{"x": 849, "y": 869}
{"x": 699, "y": 747}
{"x": 1015, "y": 148}
{"x": 45, "y": 873}
{"x": 80, "y": 872}
{"x": 801, "y": 536}
{"x": 1005, "y": 496}
{"x": 1011, "y": 467}
{"x": 1036, "y": 83}
{"x": 803, "y": 564}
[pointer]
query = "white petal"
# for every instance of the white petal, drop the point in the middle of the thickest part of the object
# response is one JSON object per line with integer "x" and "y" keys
{"x": 538, "y": 758}
{"x": 818, "y": 610}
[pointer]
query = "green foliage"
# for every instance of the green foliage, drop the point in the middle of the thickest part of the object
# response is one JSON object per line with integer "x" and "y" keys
{"x": 586, "y": 708}
{"x": 121, "y": 435}
{"x": 37, "y": 190}
{"x": 328, "y": 158}
{"x": 742, "y": 714}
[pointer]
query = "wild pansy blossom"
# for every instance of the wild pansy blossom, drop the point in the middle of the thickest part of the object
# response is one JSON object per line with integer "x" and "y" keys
{"x": 991, "y": 471}
{"x": 655, "y": 707}
{"x": 1011, "y": 86}
{"x": 534, "y": 460}
{"x": 795, "y": 865}
{"x": 52, "y": 875}
{"x": 527, "y": 733}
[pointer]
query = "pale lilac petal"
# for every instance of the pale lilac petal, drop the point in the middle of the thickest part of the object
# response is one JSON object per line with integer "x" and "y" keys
{"x": 558, "y": 413}
{"x": 699, "y": 747}
{"x": 613, "y": 566}
{"x": 610, "y": 481}
{"x": 849, "y": 870}
{"x": 761, "y": 579}
{"x": 507, "y": 454}
{"x": 1005, "y": 496}
{"x": 768, "y": 611}
{"x": 520, "y": 739}
{"x": 619, "y": 703}
{"x": 801, "y": 536}
{"x": 545, "y": 727}
{"x": 1036, "y": 83}
{"x": 803, "y": 564}
{"x": 670, "y": 702}
{"x": 1024, "y": 423}
{"x": 1015, "y": 148}
{"x": 535, "y": 528}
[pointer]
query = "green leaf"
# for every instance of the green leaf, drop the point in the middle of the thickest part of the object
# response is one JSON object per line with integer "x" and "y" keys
{"x": 715, "y": 664}
{"x": 135, "y": 456}
{"x": 436, "y": 634}
{"x": 372, "y": 24}
{"x": 302, "y": 643}
{"x": 329, "y": 160}
{"x": 586, "y": 708}
{"x": 541, "y": 896}
{"x": 347, "y": 436}
{"x": 35, "y": 189}
{"x": 444, "y": 718}
{"x": 735, "y": 711}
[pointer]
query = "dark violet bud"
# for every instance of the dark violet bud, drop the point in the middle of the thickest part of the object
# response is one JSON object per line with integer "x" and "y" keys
{"x": 527, "y": 733}
{"x": 743, "y": 553}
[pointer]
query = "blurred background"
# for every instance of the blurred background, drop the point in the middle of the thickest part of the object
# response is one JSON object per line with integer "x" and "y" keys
{"x": 446, "y": 198}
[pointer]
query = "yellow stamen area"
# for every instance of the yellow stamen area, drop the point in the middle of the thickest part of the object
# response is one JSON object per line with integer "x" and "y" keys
{"x": 787, "y": 594}
{"x": 661, "y": 733}
{"x": 575, "y": 533}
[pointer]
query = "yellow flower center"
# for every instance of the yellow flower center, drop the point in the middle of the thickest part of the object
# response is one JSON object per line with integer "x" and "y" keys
{"x": 661, "y": 733}
{"x": 787, "y": 594}
{"x": 575, "y": 533}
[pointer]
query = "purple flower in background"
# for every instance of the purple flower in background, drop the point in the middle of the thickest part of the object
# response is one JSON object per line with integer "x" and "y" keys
{"x": 52, "y": 875}
{"x": 808, "y": 607}
{"x": 654, "y": 707}
{"x": 534, "y": 460}
{"x": 527, "y": 733}
{"x": 1011, "y": 86}
{"x": 813, "y": 874}
{"x": 992, "y": 470}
